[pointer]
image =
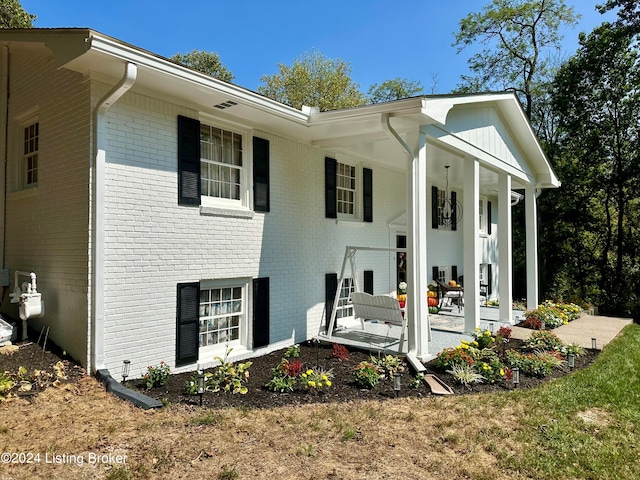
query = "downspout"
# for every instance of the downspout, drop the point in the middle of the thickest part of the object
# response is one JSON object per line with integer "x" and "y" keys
{"x": 95, "y": 360}
{"x": 411, "y": 155}
{"x": 4, "y": 88}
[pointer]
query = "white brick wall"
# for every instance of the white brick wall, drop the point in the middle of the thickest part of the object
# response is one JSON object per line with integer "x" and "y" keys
{"x": 152, "y": 243}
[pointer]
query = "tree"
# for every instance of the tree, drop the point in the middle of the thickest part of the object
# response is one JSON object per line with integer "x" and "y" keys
{"x": 515, "y": 34}
{"x": 313, "y": 80}
{"x": 629, "y": 13}
{"x": 204, "y": 62}
{"x": 395, "y": 89}
{"x": 12, "y": 15}
{"x": 596, "y": 214}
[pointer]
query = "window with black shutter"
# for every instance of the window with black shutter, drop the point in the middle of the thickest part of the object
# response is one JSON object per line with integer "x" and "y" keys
{"x": 187, "y": 323}
{"x": 261, "y": 192}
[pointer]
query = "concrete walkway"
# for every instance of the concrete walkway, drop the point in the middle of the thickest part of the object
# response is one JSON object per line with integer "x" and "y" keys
{"x": 582, "y": 330}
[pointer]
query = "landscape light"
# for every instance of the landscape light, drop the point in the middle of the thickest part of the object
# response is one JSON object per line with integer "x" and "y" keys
{"x": 593, "y": 343}
{"x": 396, "y": 383}
{"x": 516, "y": 376}
{"x": 491, "y": 327}
{"x": 126, "y": 365}
{"x": 572, "y": 360}
{"x": 200, "y": 385}
{"x": 543, "y": 325}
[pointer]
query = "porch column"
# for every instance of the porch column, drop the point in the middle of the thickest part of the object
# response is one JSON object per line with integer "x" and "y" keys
{"x": 505, "y": 247}
{"x": 418, "y": 321}
{"x": 531, "y": 237}
{"x": 471, "y": 244}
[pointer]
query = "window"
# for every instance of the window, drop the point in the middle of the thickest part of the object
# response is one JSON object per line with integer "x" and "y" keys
{"x": 346, "y": 189}
{"x": 345, "y": 307}
{"x": 221, "y": 163}
{"x": 483, "y": 217}
{"x": 222, "y": 310}
{"x": 443, "y": 274}
{"x": 30, "y": 148}
{"x": 442, "y": 198}
{"x": 444, "y": 211}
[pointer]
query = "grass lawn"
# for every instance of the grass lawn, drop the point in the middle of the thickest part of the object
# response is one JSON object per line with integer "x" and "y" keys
{"x": 583, "y": 426}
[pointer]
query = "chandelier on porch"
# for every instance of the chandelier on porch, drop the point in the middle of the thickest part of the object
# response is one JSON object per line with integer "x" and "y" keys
{"x": 451, "y": 209}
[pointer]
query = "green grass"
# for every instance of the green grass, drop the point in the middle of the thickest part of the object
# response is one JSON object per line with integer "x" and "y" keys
{"x": 586, "y": 425}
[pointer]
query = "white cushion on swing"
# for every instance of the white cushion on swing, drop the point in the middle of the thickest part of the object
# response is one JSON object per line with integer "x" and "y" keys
{"x": 377, "y": 307}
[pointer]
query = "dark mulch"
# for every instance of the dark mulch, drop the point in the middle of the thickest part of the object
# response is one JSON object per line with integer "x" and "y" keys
{"x": 31, "y": 356}
{"x": 343, "y": 389}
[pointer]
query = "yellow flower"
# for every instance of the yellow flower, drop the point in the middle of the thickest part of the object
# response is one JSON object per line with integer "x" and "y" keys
{"x": 312, "y": 383}
{"x": 309, "y": 372}
{"x": 328, "y": 383}
{"x": 502, "y": 372}
{"x": 304, "y": 375}
{"x": 324, "y": 377}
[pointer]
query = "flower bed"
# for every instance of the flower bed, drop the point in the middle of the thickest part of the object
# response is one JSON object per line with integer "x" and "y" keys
{"x": 551, "y": 315}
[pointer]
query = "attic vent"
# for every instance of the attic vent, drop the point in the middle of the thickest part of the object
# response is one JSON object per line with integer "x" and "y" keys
{"x": 227, "y": 104}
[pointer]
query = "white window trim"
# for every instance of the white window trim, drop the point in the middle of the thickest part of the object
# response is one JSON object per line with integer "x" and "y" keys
{"x": 223, "y": 206}
{"x": 21, "y": 122}
{"x": 483, "y": 220}
{"x": 446, "y": 270}
{"x": 357, "y": 201}
{"x": 208, "y": 352}
{"x": 347, "y": 304}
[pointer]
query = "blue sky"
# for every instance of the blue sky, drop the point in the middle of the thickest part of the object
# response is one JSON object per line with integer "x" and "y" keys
{"x": 381, "y": 39}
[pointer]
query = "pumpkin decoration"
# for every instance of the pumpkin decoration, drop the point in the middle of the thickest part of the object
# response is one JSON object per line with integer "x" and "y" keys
{"x": 432, "y": 302}
{"x": 402, "y": 297}
{"x": 432, "y": 294}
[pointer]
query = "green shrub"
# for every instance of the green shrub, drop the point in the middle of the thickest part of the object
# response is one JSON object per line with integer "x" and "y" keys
{"x": 157, "y": 376}
{"x": 366, "y": 374}
{"x": 465, "y": 374}
{"x": 387, "y": 365}
{"x": 543, "y": 340}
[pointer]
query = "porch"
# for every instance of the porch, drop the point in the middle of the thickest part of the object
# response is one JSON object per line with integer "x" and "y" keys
{"x": 447, "y": 329}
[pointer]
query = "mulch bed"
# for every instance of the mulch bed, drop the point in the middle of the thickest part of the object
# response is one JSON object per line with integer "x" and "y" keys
{"x": 343, "y": 388}
{"x": 312, "y": 354}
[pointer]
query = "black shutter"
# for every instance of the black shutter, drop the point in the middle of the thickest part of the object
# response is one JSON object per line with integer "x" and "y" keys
{"x": 187, "y": 323}
{"x": 188, "y": 161}
{"x": 261, "y": 175}
{"x": 434, "y": 273}
{"x": 368, "y": 281}
{"x": 454, "y": 273}
{"x": 367, "y": 194}
{"x": 330, "y": 194}
{"x": 488, "y": 218}
{"x": 434, "y": 208}
{"x": 454, "y": 211}
{"x": 330, "y": 287}
{"x": 489, "y": 279}
{"x": 260, "y": 312}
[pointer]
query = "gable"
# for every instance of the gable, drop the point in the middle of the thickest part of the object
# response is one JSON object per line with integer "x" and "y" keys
{"x": 485, "y": 128}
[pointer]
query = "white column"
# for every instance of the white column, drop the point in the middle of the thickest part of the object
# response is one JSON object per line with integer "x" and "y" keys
{"x": 471, "y": 244}
{"x": 418, "y": 321}
{"x": 505, "y": 248}
{"x": 531, "y": 226}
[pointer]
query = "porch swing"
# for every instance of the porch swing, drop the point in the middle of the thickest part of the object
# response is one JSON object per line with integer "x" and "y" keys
{"x": 368, "y": 307}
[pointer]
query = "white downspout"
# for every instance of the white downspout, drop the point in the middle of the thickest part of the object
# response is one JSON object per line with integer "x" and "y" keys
{"x": 95, "y": 360}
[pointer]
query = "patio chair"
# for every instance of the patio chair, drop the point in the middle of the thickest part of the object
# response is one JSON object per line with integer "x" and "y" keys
{"x": 449, "y": 294}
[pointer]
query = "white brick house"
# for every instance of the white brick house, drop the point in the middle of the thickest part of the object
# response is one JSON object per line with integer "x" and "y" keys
{"x": 168, "y": 214}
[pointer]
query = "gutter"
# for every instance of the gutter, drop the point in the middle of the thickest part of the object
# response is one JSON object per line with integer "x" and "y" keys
{"x": 95, "y": 360}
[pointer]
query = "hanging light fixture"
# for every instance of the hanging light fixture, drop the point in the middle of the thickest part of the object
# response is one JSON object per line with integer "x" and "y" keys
{"x": 451, "y": 210}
